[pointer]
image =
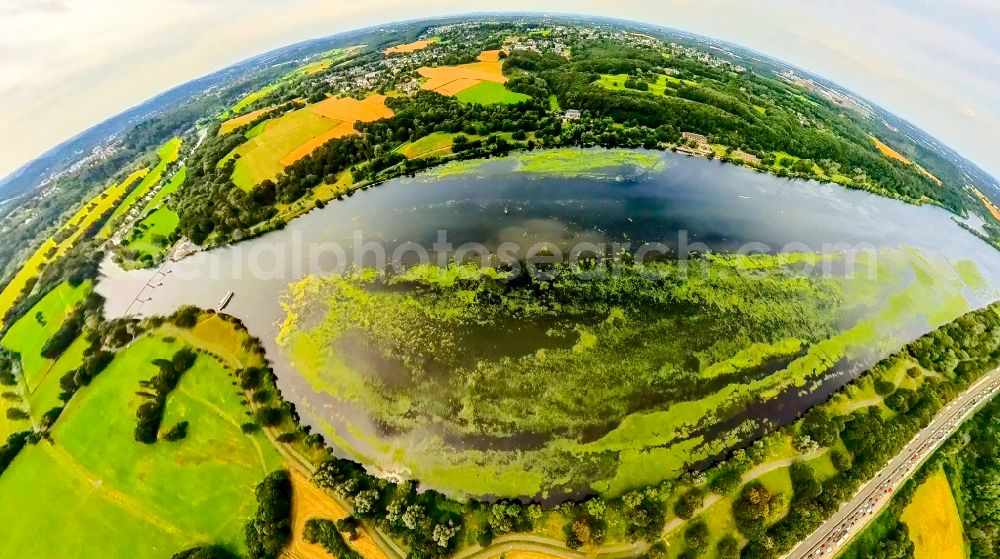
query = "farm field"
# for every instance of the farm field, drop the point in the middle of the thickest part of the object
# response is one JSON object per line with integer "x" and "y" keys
{"x": 103, "y": 494}
{"x": 292, "y": 136}
{"x": 233, "y": 123}
{"x": 252, "y": 98}
{"x": 452, "y": 80}
{"x": 617, "y": 82}
{"x": 889, "y": 152}
{"x": 28, "y": 335}
{"x": 994, "y": 211}
{"x": 168, "y": 153}
{"x": 933, "y": 521}
{"x": 411, "y": 47}
{"x": 76, "y": 226}
{"x": 490, "y": 93}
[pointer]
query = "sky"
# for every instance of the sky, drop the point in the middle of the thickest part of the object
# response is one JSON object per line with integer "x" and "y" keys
{"x": 66, "y": 65}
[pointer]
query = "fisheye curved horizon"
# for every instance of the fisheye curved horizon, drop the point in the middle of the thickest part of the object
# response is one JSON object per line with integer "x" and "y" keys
{"x": 501, "y": 285}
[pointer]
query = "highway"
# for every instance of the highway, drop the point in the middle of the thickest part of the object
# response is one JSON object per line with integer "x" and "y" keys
{"x": 873, "y": 496}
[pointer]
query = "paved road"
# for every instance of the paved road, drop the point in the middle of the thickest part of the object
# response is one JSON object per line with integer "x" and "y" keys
{"x": 873, "y": 496}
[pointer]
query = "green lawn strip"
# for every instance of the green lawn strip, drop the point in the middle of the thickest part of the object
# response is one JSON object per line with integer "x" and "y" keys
{"x": 172, "y": 185}
{"x": 203, "y": 484}
{"x": 554, "y": 103}
{"x": 45, "y": 395}
{"x": 491, "y": 93}
{"x": 28, "y": 335}
{"x": 167, "y": 153}
{"x": 255, "y": 96}
{"x": 52, "y": 510}
{"x": 438, "y": 143}
{"x": 159, "y": 224}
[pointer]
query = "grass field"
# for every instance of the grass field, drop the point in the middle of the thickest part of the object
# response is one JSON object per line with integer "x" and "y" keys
{"x": 294, "y": 135}
{"x": 160, "y": 223}
{"x": 167, "y": 154}
{"x": 452, "y": 80}
{"x": 30, "y": 332}
{"x": 438, "y": 143}
{"x": 172, "y": 185}
{"x": 411, "y": 47}
{"x": 490, "y": 93}
{"x": 233, "y": 123}
{"x": 73, "y": 229}
{"x": 933, "y": 521}
{"x": 617, "y": 82}
{"x": 253, "y": 97}
{"x": 100, "y": 494}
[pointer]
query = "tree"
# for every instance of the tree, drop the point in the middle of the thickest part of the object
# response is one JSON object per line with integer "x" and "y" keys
{"x": 696, "y": 535}
{"x": 689, "y": 503}
{"x": 270, "y": 530}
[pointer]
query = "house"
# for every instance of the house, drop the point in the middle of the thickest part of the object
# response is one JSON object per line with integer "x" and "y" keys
{"x": 572, "y": 114}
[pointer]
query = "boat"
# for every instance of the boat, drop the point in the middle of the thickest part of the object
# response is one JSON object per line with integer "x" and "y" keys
{"x": 225, "y": 300}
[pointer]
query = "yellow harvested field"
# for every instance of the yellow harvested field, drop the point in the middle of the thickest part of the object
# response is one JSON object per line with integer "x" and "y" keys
{"x": 76, "y": 225}
{"x": 234, "y": 123}
{"x": 989, "y": 205}
{"x": 296, "y": 134}
{"x": 490, "y": 56}
{"x": 930, "y": 175}
{"x": 352, "y": 110}
{"x": 309, "y": 501}
{"x": 889, "y": 152}
{"x": 450, "y": 89}
{"x": 338, "y": 131}
{"x": 452, "y": 80}
{"x": 933, "y": 521}
{"x": 408, "y": 47}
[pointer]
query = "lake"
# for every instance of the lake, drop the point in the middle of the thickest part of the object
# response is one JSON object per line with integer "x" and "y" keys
{"x": 692, "y": 204}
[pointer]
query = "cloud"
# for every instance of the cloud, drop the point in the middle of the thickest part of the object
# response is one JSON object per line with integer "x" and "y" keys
{"x": 68, "y": 64}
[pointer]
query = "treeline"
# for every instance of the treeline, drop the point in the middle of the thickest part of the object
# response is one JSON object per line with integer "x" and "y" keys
{"x": 727, "y": 107}
{"x": 426, "y": 522}
{"x": 206, "y": 552}
{"x": 974, "y": 469}
{"x": 270, "y": 530}
{"x": 10, "y": 449}
{"x": 149, "y": 415}
{"x": 328, "y": 534}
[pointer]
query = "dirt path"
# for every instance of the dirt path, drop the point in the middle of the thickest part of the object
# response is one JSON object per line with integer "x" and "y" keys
{"x": 74, "y": 469}
{"x": 750, "y": 475}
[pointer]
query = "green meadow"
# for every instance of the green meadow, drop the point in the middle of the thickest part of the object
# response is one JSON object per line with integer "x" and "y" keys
{"x": 29, "y": 334}
{"x": 101, "y": 494}
{"x": 149, "y": 236}
{"x": 491, "y": 93}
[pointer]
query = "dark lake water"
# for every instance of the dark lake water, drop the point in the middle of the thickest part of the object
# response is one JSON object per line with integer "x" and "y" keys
{"x": 694, "y": 204}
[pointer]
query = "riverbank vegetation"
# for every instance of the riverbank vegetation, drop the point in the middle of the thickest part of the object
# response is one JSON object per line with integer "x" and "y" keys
{"x": 464, "y": 363}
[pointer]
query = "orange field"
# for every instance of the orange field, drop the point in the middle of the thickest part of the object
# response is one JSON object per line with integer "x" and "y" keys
{"x": 351, "y": 110}
{"x": 234, "y": 123}
{"x": 929, "y": 175}
{"x": 338, "y": 131}
{"x": 452, "y": 80}
{"x": 309, "y": 501}
{"x": 989, "y": 205}
{"x": 889, "y": 152}
{"x": 408, "y": 47}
